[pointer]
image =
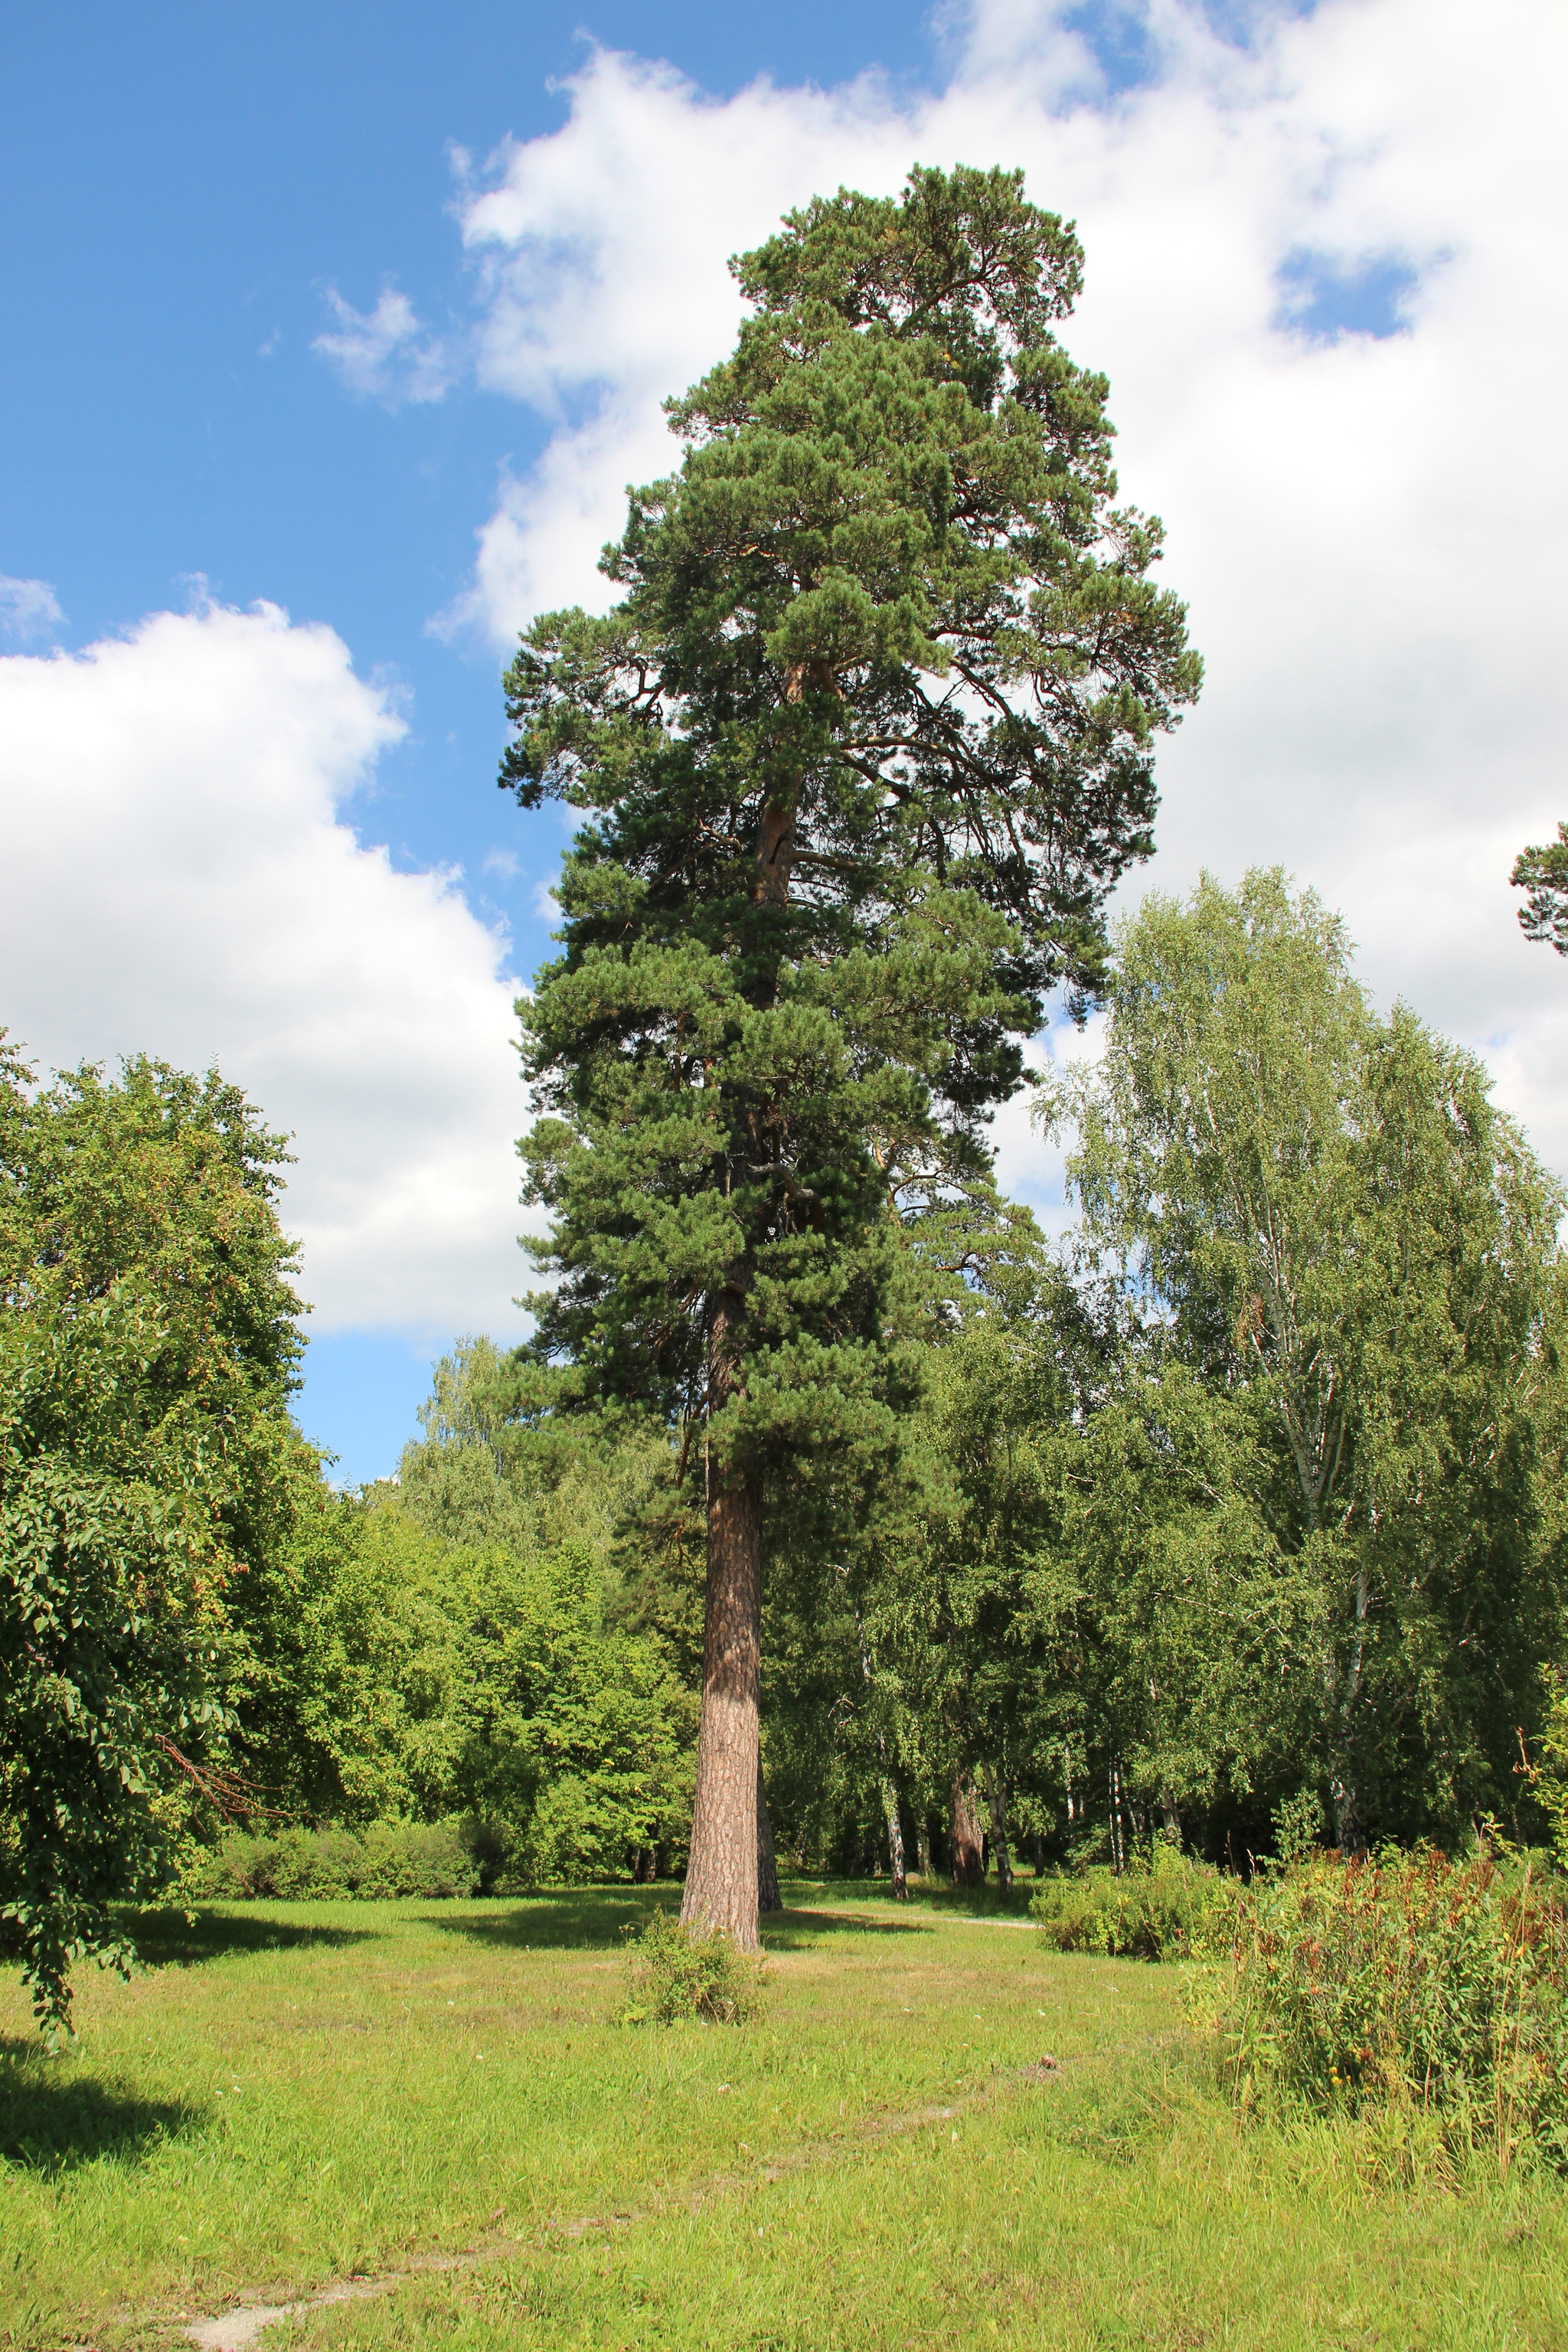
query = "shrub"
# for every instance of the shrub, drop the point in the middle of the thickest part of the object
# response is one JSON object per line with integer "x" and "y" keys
{"x": 391, "y": 1858}
{"x": 674, "y": 1973}
{"x": 1162, "y": 1907}
{"x": 1410, "y": 1982}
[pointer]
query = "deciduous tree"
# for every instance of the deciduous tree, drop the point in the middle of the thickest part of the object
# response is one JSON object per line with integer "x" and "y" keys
{"x": 147, "y": 1350}
{"x": 1355, "y": 1254}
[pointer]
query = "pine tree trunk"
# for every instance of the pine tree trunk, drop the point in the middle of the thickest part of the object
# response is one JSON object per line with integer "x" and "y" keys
{"x": 768, "y": 1895}
{"x": 968, "y": 1861}
{"x": 721, "y": 1877}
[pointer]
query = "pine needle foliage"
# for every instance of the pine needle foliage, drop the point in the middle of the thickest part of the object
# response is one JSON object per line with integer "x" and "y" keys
{"x": 860, "y": 753}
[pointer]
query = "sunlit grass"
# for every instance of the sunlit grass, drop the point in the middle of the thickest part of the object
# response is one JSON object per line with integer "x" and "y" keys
{"x": 295, "y": 2092}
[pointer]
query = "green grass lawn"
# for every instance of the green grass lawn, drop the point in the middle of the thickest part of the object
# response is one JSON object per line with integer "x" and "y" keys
{"x": 294, "y": 2093}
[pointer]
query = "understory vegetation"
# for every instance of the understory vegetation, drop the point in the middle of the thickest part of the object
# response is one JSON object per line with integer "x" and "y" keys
{"x": 1435, "y": 1991}
{"x": 388, "y": 1859}
{"x": 1161, "y": 1906}
{"x": 677, "y": 1972}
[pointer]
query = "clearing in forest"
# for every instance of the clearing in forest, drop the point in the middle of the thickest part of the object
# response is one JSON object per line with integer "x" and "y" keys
{"x": 939, "y": 2133}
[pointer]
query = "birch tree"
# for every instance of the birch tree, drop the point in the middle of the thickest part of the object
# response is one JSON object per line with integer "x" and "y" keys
{"x": 1334, "y": 1223}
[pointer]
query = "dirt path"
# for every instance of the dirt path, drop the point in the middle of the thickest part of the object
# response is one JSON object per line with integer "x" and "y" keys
{"x": 240, "y": 2328}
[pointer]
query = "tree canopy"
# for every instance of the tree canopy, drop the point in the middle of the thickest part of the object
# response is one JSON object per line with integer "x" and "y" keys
{"x": 1339, "y": 1235}
{"x": 147, "y": 1352}
{"x": 1541, "y": 870}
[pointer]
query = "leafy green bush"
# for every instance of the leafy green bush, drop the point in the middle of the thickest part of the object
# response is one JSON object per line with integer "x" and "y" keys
{"x": 1407, "y": 1983}
{"x": 390, "y": 1858}
{"x": 676, "y": 1973}
{"x": 1161, "y": 1907}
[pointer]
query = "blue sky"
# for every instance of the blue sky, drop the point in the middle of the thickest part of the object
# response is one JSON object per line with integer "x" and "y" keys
{"x": 1302, "y": 224}
{"x": 194, "y": 181}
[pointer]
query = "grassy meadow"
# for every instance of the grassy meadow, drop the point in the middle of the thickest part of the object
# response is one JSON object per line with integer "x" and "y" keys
{"x": 291, "y": 2095}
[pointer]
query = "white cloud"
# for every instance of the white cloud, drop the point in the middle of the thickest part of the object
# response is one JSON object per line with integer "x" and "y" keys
{"x": 386, "y": 354}
{"x": 30, "y": 610}
{"x": 180, "y": 880}
{"x": 1367, "y": 528}
{"x": 601, "y": 252}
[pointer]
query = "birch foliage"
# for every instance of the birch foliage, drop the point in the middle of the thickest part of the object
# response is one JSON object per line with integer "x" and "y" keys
{"x": 1327, "y": 1217}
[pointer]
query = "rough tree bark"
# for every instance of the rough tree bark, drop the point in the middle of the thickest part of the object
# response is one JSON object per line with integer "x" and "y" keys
{"x": 768, "y": 1895}
{"x": 721, "y": 1875}
{"x": 923, "y": 1845}
{"x": 968, "y": 1855}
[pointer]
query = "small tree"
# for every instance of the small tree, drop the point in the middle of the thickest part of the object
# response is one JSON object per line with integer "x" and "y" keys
{"x": 1542, "y": 870}
{"x": 865, "y": 745}
{"x": 147, "y": 1350}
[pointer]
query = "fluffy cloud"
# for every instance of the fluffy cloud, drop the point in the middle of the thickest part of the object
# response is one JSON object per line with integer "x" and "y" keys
{"x": 181, "y": 878}
{"x": 385, "y": 353}
{"x": 601, "y": 258}
{"x": 30, "y": 610}
{"x": 1366, "y": 523}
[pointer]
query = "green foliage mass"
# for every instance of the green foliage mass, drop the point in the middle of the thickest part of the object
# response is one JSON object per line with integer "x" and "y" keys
{"x": 1254, "y": 1500}
{"x": 147, "y": 1351}
{"x": 1164, "y": 1907}
{"x": 390, "y": 1859}
{"x": 1334, "y": 1475}
{"x": 456, "y": 1643}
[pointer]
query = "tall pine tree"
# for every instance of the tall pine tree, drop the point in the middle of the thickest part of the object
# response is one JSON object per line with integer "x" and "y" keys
{"x": 863, "y": 747}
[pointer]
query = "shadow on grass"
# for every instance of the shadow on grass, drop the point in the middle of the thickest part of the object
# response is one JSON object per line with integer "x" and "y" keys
{"x": 166, "y": 1939}
{"x": 583, "y": 1919}
{"x": 589, "y": 1919}
{"x": 828, "y": 1899}
{"x": 797, "y": 1927}
{"x": 594, "y": 1918}
{"x": 53, "y": 2119}
{"x": 973, "y": 1902}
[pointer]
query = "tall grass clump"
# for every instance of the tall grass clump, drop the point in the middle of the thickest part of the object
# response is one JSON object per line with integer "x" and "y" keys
{"x": 1409, "y": 1982}
{"x": 1164, "y": 1906}
{"x": 675, "y": 1973}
